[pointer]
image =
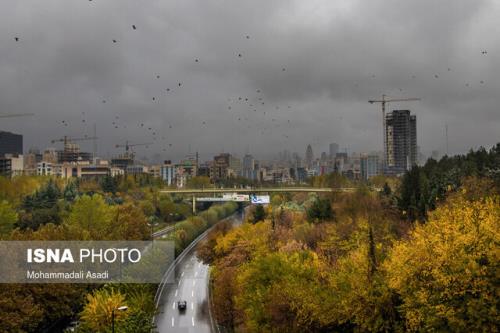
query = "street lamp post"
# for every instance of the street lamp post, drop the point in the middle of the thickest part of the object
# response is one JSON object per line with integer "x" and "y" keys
{"x": 121, "y": 308}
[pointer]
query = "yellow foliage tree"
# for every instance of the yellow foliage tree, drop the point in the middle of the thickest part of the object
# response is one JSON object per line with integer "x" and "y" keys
{"x": 447, "y": 273}
{"x": 91, "y": 216}
{"x": 98, "y": 311}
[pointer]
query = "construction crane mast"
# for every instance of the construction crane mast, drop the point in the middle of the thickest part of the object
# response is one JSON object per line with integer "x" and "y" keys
{"x": 383, "y": 101}
{"x": 128, "y": 145}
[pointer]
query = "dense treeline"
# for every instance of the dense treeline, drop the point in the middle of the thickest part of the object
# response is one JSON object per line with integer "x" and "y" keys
{"x": 120, "y": 208}
{"x": 423, "y": 187}
{"x": 355, "y": 265}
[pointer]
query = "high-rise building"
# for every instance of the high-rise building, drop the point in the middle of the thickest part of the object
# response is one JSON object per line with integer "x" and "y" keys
{"x": 248, "y": 167}
{"x": 369, "y": 166}
{"x": 309, "y": 156}
{"x": 234, "y": 166}
{"x": 167, "y": 172}
{"x": 11, "y": 143}
{"x": 334, "y": 149}
{"x": 401, "y": 141}
{"x": 220, "y": 166}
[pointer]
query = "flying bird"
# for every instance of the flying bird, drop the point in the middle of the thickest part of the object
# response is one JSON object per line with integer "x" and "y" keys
{"x": 114, "y": 40}
{"x": 134, "y": 27}
{"x": 16, "y": 39}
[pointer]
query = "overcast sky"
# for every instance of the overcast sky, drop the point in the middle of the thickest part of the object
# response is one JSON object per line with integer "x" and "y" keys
{"x": 314, "y": 64}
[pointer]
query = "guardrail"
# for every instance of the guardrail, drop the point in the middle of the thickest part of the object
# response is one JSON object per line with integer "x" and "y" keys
{"x": 213, "y": 323}
{"x": 177, "y": 260}
{"x": 163, "y": 231}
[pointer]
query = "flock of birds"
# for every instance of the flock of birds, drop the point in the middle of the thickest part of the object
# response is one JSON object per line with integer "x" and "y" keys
{"x": 253, "y": 104}
{"x": 250, "y": 111}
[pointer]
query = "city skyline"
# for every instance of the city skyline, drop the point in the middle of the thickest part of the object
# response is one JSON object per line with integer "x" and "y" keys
{"x": 181, "y": 76}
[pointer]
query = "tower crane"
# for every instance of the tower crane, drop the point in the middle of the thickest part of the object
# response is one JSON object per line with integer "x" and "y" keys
{"x": 14, "y": 115}
{"x": 383, "y": 101}
{"x": 128, "y": 145}
{"x": 67, "y": 140}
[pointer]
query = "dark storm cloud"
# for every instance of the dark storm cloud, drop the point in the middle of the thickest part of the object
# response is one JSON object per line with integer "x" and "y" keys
{"x": 315, "y": 63}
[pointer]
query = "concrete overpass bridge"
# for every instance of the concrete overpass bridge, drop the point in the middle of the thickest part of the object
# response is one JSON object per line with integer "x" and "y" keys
{"x": 258, "y": 190}
{"x": 238, "y": 192}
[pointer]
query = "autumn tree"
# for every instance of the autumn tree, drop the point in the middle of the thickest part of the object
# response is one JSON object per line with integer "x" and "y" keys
{"x": 447, "y": 273}
{"x": 320, "y": 210}
{"x": 8, "y": 218}
{"x": 259, "y": 213}
{"x": 91, "y": 216}
{"x": 99, "y": 308}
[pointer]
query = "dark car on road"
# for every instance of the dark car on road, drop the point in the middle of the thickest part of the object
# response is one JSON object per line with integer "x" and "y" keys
{"x": 182, "y": 305}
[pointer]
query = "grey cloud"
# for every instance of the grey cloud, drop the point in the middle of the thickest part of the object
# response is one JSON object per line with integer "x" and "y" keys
{"x": 336, "y": 55}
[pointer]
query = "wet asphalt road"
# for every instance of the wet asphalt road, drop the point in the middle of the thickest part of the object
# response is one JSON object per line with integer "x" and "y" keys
{"x": 191, "y": 285}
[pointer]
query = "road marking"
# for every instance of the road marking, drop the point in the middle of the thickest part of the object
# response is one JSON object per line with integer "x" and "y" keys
{"x": 192, "y": 293}
{"x": 179, "y": 283}
{"x": 192, "y": 306}
{"x": 192, "y": 320}
{"x": 194, "y": 282}
{"x": 173, "y": 306}
{"x": 176, "y": 291}
{"x": 182, "y": 274}
{"x": 195, "y": 273}
{"x": 173, "y": 320}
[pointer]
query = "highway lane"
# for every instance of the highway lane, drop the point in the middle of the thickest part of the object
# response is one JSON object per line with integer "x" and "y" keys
{"x": 189, "y": 283}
